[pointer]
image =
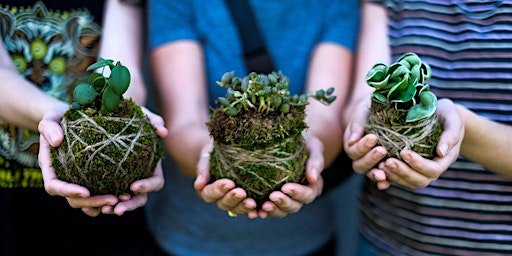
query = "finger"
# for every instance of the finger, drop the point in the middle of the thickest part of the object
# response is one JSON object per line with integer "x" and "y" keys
{"x": 232, "y": 199}
{"x": 376, "y": 175}
{"x": 284, "y": 203}
{"x": 157, "y": 121}
{"x": 203, "y": 168}
{"x": 135, "y": 202}
{"x": 370, "y": 159}
{"x": 400, "y": 173}
{"x": 453, "y": 128}
{"x": 215, "y": 191}
{"x": 50, "y": 128}
{"x": 93, "y": 212}
{"x": 270, "y": 209}
{"x": 93, "y": 201}
{"x": 315, "y": 163}
{"x": 429, "y": 168}
{"x": 245, "y": 207}
{"x": 153, "y": 183}
{"x": 357, "y": 123}
{"x": 301, "y": 193}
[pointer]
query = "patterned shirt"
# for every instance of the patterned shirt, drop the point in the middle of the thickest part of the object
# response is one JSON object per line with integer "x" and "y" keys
{"x": 468, "y": 210}
{"x": 51, "y": 48}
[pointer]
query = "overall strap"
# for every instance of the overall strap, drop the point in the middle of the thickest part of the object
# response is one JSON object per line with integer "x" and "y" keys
{"x": 256, "y": 56}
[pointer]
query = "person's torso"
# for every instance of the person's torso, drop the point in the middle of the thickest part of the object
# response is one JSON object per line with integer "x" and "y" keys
{"x": 467, "y": 211}
{"x": 289, "y": 29}
{"x": 51, "y": 43}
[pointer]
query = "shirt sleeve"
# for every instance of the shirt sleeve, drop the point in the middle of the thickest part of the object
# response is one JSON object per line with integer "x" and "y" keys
{"x": 170, "y": 21}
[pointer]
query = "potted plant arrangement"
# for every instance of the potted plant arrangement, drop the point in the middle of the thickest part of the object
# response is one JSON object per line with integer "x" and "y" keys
{"x": 402, "y": 111}
{"x": 108, "y": 141}
{"x": 258, "y": 132}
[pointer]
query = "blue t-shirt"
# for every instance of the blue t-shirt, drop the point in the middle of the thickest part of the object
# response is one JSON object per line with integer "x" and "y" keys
{"x": 182, "y": 223}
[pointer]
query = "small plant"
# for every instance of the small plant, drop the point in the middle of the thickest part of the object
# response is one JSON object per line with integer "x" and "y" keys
{"x": 257, "y": 132}
{"x": 111, "y": 89}
{"x": 108, "y": 141}
{"x": 402, "y": 112}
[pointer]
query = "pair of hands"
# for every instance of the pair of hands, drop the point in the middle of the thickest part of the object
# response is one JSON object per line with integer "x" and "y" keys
{"x": 289, "y": 199}
{"x": 223, "y": 192}
{"x": 78, "y": 196}
{"x": 414, "y": 171}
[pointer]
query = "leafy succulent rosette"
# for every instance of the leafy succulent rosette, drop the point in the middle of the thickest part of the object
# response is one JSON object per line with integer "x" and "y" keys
{"x": 108, "y": 141}
{"x": 402, "y": 112}
{"x": 257, "y": 131}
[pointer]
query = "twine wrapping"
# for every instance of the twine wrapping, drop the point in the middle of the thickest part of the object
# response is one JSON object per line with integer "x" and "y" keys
{"x": 395, "y": 135}
{"x": 269, "y": 167}
{"x": 125, "y": 155}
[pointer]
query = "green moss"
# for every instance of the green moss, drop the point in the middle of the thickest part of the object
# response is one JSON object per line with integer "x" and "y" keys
{"x": 260, "y": 152}
{"x": 395, "y": 134}
{"x": 107, "y": 151}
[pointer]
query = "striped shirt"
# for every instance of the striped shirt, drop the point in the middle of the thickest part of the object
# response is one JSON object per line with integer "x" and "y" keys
{"x": 468, "y": 210}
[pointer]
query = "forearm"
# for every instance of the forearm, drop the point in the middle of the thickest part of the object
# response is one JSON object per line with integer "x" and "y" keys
{"x": 122, "y": 40}
{"x": 373, "y": 29}
{"x": 330, "y": 66}
{"x": 21, "y": 102}
{"x": 486, "y": 142}
{"x": 181, "y": 87}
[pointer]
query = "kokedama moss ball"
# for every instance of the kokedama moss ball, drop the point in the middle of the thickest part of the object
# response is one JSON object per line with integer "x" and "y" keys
{"x": 109, "y": 143}
{"x": 257, "y": 133}
{"x": 402, "y": 112}
{"x": 107, "y": 151}
{"x": 395, "y": 134}
{"x": 259, "y": 151}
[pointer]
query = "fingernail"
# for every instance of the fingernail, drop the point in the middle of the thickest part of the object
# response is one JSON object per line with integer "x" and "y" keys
{"x": 314, "y": 172}
{"x": 391, "y": 166}
{"x": 406, "y": 156}
{"x": 443, "y": 148}
{"x": 352, "y": 138}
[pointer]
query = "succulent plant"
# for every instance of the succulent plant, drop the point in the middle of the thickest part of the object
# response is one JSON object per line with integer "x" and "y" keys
{"x": 257, "y": 131}
{"x": 402, "y": 112}
{"x": 265, "y": 93}
{"x": 402, "y": 84}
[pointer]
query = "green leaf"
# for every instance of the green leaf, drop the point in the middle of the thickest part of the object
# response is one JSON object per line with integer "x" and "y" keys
{"x": 410, "y": 58}
{"x": 425, "y": 72}
{"x": 231, "y": 111}
{"x": 379, "y": 85}
{"x": 404, "y": 91}
{"x": 100, "y": 64}
{"x": 84, "y": 94}
{"x": 119, "y": 79}
{"x": 109, "y": 99}
{"x": 224, "y": 101}
{"x": 380, "y": 97}
{"x": 377, "y": 73}
{"x": 98, "y": 81}
{"x": 397, "y": 71}
{"x": 426, "y": 108}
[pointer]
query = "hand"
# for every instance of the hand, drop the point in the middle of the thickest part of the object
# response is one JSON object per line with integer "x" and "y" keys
{"x": 290, "y": 199}
{"x": 78, "y": 196}
{"x": 362, "y": 149}
{"x": 417, "y": 172}
{"x": 223, "y": 191}
{"x": 293, "y": 196}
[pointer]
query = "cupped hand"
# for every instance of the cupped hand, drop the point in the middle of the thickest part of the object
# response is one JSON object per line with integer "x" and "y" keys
{"x": 222, "y": 192}
{"x": 293, "y": 196}
{"x": 362, "y": 149}
{"x": 418, "y": 172}
{"x": 78, "y": 196}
